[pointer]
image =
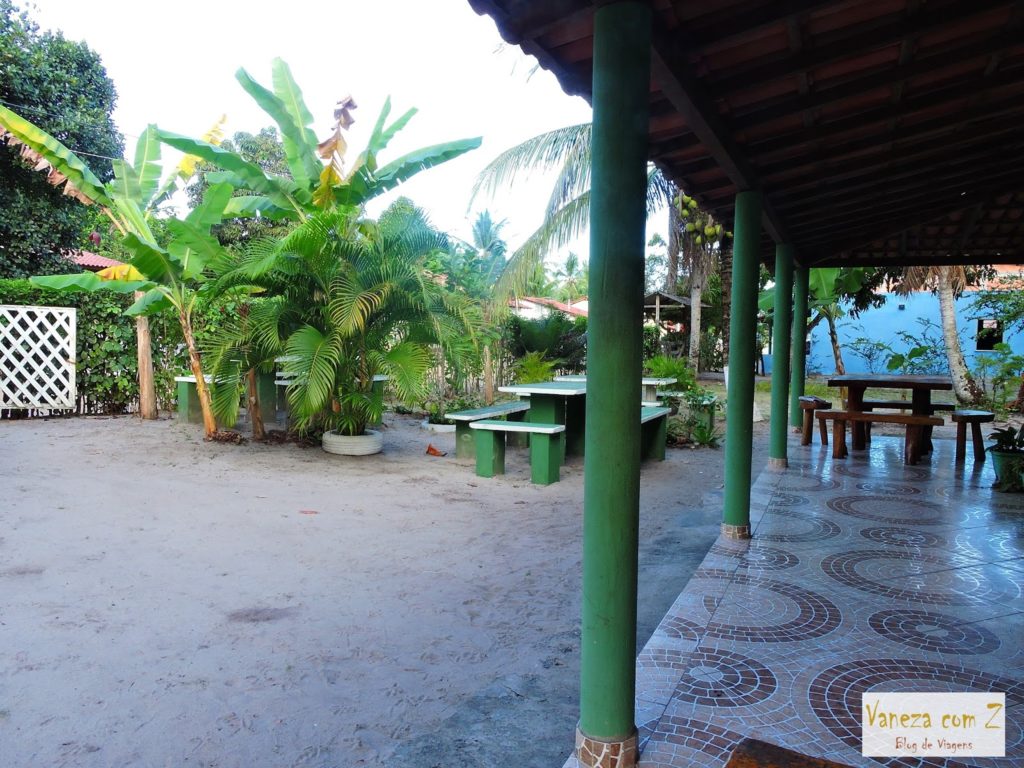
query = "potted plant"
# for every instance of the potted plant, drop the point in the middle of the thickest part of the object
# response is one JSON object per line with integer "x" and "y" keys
{"x": 702, "y": 404}
{"x": 349, "y": 299}
{"x": 1007, "y": 451}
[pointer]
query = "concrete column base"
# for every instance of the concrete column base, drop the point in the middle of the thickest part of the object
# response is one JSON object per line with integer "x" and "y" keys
{"x": 594, "y": 753}
{"x": 735, "y": 531}
{"x": 778, "y": 463}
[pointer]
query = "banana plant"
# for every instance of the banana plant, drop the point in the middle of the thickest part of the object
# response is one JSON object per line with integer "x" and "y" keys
{"x": 319, "y": 179}
{"x": 161, "y": 276}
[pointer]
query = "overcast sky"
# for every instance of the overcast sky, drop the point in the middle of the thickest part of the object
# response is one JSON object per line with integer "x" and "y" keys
{"x": 174, "y": 63}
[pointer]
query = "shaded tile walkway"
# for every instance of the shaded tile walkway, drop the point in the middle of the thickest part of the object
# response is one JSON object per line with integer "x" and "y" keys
{"x": 862, "y": 573}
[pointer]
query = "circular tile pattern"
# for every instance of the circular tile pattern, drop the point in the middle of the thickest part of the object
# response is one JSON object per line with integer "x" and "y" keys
{"x": 895, "y": 489}
{"x": 902, "y": 537}
{"x": 716, "y": 678}
{"x": 933, "y": 632}
{"x": 886, "y": 509}
{"x": 836, "y": 695}
{"x": 684, "y": 629}
{"x": 810, "y": 483}
{"x": 956, "y": 586}
{"x": 793, "y": 613}
{"x": 805, "y": 528}
{"x": 691, "y": 742}
{"x": 788, "y": 500}
{"x": 757, "y": 557}
{"x": 867, "y": 472}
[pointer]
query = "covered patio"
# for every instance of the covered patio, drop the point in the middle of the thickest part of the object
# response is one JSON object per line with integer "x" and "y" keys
{"x": 827, "y": 133}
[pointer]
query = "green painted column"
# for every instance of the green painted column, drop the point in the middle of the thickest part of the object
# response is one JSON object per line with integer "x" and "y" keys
{"x": 611, "y": 490}
{"x": 739, "y": 415}
{"x": 781, "y": 335}
{"x": 798, "y": 370}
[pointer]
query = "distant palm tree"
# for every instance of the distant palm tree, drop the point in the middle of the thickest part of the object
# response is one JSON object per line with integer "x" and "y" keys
{"x": 572, "y": 277}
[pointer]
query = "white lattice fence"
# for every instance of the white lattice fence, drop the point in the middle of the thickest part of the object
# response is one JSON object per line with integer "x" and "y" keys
{"x": 37, "y": 357}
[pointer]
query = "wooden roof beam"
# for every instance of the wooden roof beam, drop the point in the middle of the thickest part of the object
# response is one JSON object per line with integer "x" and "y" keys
{"x": 867, "y": 37}
{"x": 680, "y": 86}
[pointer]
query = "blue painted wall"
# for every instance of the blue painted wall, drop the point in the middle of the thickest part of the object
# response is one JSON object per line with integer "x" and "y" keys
{"x": 884, "y": 323}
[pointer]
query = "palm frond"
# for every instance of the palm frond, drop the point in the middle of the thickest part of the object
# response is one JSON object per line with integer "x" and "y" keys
{"x": 556, "y": 232}
{"x": 543, "y": 152}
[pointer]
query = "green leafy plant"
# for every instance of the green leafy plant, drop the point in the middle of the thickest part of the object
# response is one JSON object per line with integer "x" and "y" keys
{"x": 532, "y": 368}
{"x": 1007, "y": 450}
{"x": 699, "y": 398}
{"x": 345, "y": 299}
{"x": 1007, "y": 440}
{"x": 705, "y": 435}
{"x": 666, "y": 367}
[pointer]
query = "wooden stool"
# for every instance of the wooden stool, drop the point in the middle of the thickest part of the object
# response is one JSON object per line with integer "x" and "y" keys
{"x": 975, "y": 419}
{"x": 809, "y": 404}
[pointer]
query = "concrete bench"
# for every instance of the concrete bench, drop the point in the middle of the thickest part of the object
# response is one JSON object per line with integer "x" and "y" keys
{"x": 515, "y": 410}
{"x": 653, "y": 432}
{"x": 545, "y": 448}
{"x": 915, "y": 434}
{"x": 975, "y": 419}
{"x": 189, "y": 409}
{"x": 809, "y": 404}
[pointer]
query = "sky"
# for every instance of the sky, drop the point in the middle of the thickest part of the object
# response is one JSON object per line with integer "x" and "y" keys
{"x": 173, "y": 64}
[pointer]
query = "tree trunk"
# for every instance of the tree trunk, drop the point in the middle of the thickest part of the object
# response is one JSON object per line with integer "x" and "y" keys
{"x": 209, "y": 422}
{"x": 675, "y": 224}
{"x": 964, "y": 387}
{"x": 144, "y": 345}
{"x": 726, "y": 302}
{"x": 696, "y": 293}
{"x": 255, "y": 412}
{"x": 837, "y": 351}
{"x": 488, "y": 375}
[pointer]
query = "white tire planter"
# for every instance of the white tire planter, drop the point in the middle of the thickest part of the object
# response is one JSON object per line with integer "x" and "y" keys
{"x": 437, "y": 427}
{"x": 365, "y": 444}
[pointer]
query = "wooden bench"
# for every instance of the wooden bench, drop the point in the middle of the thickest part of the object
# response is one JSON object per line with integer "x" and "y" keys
{"x": 905, "y": 405}
{"x": 545, "y": 448}
{"x": 464, "y": 445}
{"x": 915, "y": 436}
{"x": 809, "y": 404}
{"x": 975, "y": 419}
{"x": 754, "y": 753}
{"x": 653, "y": 432}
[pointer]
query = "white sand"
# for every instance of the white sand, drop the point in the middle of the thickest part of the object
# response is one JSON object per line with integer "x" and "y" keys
{"x": 170, "y": 602}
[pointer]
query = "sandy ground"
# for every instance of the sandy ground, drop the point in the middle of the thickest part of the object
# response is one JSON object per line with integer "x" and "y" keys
{"x": 169, "y": 602}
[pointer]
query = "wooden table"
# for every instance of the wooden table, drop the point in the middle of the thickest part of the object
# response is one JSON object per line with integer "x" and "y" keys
{"x": 920, "y": 387}
{"x": 557, "y": 402}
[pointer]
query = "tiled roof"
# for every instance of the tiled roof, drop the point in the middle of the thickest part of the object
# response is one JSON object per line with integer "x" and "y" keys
{"x": 92, "y": 261}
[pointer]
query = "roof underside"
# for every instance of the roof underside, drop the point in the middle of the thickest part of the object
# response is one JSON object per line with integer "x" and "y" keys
{"x": 882, "y": 132}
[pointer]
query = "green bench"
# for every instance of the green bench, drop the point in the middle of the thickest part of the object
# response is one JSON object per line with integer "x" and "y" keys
{"x": 653, "y": 432}
{"x": 545, "y": 448}
{"x": 464, "y": 445}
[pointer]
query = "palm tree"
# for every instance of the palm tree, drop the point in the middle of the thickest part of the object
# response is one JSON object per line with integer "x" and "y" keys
{"x": 566, "y": 151}
{"x": 347, "y": 298}
{"x": 572, "y": 278}
{"x": 948, "y": 283}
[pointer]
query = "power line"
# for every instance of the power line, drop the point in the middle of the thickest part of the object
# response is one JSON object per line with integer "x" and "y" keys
{"x": 39, "y": 111}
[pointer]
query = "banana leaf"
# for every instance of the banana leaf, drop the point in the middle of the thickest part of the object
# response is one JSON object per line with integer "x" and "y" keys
{"x": 151, "y": 260}
{"x": 152, "y": 301}
{"x": 147, "y": 164}
{"x": 367, "y": 184}
{"x": 254, "y": 205}
{"x": 45, "y": 151}
{"x": 88, "y": 281}
{"x": 282, "y": 192}
{"x": 288, "y": 91}
{"x": 192, "y": 247}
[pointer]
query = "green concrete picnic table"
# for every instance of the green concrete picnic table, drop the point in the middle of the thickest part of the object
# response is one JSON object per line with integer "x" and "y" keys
{"x": 651, "y": 384}
{"x": 557, "y": 402}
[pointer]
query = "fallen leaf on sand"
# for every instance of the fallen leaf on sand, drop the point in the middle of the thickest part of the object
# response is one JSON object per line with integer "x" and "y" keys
{"x": 432, "y": 451}
{"x": 308, "y": 512}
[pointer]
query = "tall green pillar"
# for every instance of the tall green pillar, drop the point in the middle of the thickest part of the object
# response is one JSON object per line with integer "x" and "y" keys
{"x": 781, "y": 335}
{"x": 739, "y": 414}
{"x": 611, "y": 489}
{"x": 799, "y": 359}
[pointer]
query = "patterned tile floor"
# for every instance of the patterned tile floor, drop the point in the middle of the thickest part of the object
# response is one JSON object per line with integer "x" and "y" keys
{"x": 862, "y": 573}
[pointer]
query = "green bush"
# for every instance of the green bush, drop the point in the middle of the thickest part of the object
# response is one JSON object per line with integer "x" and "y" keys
{"x": 665, "y": 367}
